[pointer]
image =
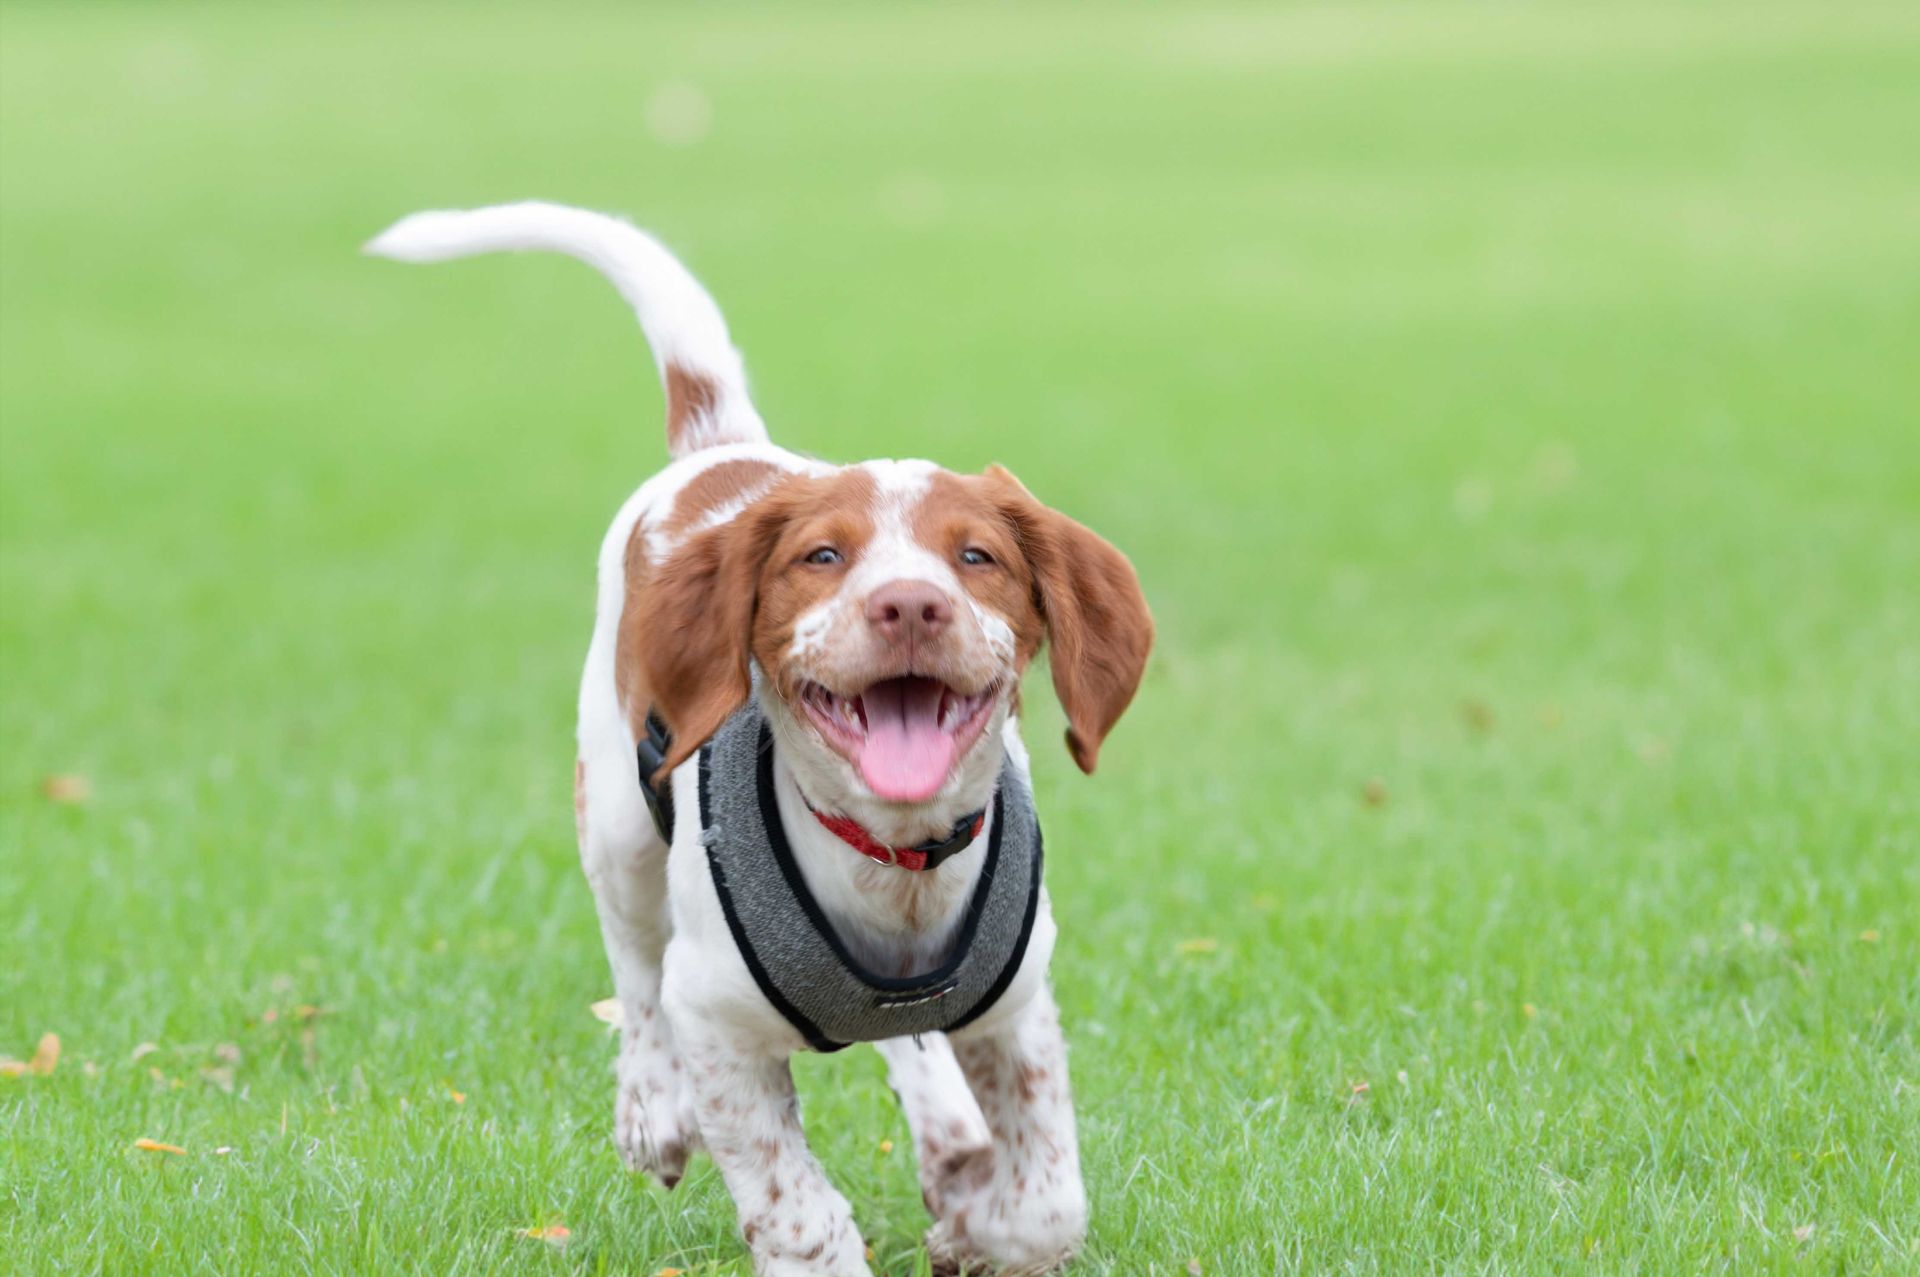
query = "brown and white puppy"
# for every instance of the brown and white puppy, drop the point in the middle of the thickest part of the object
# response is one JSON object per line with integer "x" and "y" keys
{"x": 890, "y": 609}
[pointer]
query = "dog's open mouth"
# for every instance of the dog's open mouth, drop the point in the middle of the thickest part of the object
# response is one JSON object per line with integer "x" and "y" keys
{"x": 904, "y": 734}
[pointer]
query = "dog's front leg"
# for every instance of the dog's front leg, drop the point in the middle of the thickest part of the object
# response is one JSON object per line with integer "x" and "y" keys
{"x": 794, "y": 1221}
{"x": 625, "y": 863}
{"x": 951, "y": 1142}
{"x": 1029, "y": 1215}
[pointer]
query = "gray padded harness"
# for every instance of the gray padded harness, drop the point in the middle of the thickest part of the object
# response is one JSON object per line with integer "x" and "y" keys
{"x": 790, "y": 947}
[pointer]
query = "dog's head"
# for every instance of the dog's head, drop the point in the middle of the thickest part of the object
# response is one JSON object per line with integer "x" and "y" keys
{"x": 892, "y": 608}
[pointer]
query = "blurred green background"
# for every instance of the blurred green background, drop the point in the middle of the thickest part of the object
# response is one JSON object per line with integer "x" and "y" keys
{"x": 1510, "y": 864}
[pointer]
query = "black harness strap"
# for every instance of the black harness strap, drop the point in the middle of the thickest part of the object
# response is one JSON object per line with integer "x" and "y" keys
{"x": 652, "y": 750}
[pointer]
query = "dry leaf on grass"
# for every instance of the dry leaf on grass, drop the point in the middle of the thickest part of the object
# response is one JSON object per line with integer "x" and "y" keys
{"x": 681, "y": 1272}
{"x": 1477, "y": 714}
{"x": 886, "y": 1146}
{"x": 10, "y": 1067}
{"x": 66, "y": 788}
{"x": 551, "y": 1234}
{"x": 609, "y": 1012}
{"x": 155, "y": 1146}
{"x": 1199, "y": 944}
{"x": 1374, "y": 792}
{"x": 458, "y": 1097}
{"x": 46, "y": 1056}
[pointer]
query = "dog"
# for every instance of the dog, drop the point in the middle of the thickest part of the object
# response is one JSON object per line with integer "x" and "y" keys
{"x": 802, "y": 800}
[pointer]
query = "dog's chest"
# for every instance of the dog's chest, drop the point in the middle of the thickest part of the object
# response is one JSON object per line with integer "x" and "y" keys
{"x": 826, "y": 990}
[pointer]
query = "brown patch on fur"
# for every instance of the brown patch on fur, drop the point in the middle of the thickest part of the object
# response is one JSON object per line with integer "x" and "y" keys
{"x": 690, "y": 398}
{"x": 715, "y": 488}
{"x": 1051, "y": 578}
{"x": 834, "y": 510}
{"x": 1097, "y": 620}
{"x": 629, "y": 676}
{"x": 963, "y": 512}
{"x": 1028, "y": 1078}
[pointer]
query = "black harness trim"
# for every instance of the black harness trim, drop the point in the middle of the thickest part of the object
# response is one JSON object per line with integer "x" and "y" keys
{"x": 802, "y": 1025}
{"x": 1019, "y": 954}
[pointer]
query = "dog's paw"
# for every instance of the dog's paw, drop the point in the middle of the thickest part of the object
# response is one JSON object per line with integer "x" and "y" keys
{"x": 951, "y": 1255}
{"x": 653, "y": 1122}
{"x": 1008, "y": 1234}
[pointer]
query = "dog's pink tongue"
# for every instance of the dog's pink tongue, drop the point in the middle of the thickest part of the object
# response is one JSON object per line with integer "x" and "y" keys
{"x": 906, "y": 755}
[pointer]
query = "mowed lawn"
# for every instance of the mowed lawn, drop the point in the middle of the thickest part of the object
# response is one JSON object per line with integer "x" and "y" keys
{"x": 1510, "y": 864}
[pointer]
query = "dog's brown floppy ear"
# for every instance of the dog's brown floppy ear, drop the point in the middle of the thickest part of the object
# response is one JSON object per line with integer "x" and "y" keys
{"x": 1098, "y": 625}
{"x": 699, "y": 609}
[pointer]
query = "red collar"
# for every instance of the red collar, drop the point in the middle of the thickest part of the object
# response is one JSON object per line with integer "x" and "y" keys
{"x": 927, "y": 855}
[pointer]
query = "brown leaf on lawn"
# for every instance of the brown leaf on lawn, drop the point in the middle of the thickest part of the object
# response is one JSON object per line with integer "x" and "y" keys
{"x": 66, "y": 788}
{"x": 552, "y": 1234}
{"x": 46, "y": 1056}
{"x": 1477, "y": 714}
{"x": 10, "y": 1067}
{"x": 155, "y": 1146}
{"x": 681, "y": 1272}
{"x": 458, "y": 1097}
{"x": 1374, "y": 792}
{"x": 1199, "y": 944}
{"x": 609, "y": 1012}
{"x": 886, "y": 1146}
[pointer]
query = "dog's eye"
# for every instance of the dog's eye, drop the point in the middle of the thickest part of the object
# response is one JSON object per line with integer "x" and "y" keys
{"x": 973, "y": 556}
{"x": 824, "y": 556}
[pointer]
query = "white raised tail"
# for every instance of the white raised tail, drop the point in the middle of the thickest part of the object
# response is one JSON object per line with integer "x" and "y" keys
{"x": 706, "y": 386}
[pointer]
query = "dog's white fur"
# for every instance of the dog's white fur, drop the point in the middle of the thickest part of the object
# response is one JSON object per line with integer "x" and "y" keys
{"x": 703, "y": 1058}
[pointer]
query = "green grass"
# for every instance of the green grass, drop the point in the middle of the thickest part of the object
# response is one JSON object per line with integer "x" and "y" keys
{"x": 1514, "y": 414}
